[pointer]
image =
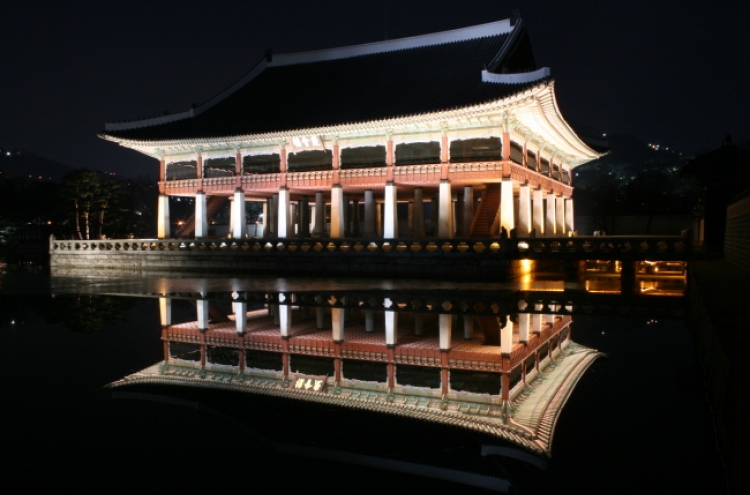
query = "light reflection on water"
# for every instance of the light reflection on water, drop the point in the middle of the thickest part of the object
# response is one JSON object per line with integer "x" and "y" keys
{"x": 629, "y": 414}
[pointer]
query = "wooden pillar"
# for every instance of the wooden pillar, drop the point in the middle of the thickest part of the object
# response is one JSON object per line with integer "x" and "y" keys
{"x": 549, "y": 225}
{"x": 569, "y": 216}
{"x": 537, "y": 214}
{"x": 165, "y": 311}
{"x": 507, "y": 214}
{"x": 284, "y": 220}
{"x": 337, "y": 325}
{"x": 524, "y": 211}
{"x": 444, "y": 149}
{"x": 389, "y": 160}
{"x": 320, "y": 216}
{"x": 239, "y": 218}
{"x": 560, "y": 215}
{"x": 355, "y": 218}
{"x": 445, "y": 229}
{"x": 282, "y": 166}
{"x": 445, "y": 322}
{"x": 304, "y": 217}
{"x": 468, "y": 210}
{"x": 524, "y": 322}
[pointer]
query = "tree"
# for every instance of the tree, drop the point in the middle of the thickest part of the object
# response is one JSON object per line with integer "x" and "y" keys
{"x": 88, "y": 195}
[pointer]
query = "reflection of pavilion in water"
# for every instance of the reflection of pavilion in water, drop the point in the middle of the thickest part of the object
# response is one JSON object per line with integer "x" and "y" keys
{"x": 505, "y": 375}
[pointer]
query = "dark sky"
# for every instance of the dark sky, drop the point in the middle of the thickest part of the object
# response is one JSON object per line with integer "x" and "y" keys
{"x": 676, "y": 73}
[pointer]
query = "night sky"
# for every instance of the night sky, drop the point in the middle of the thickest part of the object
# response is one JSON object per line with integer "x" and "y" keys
{"x": 674, "y": 73}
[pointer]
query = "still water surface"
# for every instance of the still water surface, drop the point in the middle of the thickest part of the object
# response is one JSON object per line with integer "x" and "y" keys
{"x": 637, "y": 422}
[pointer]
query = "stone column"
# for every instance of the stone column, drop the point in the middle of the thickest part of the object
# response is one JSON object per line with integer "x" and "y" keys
{"x": 537, "y": 215}
{"x": 549, "y": 225}
{"x": 418, "y": 218}
{"x": 337, "y": 325}
{"x": 524, "y": 211}
{"x": 163, "y": 227}
{"x": 201, "y": 220}
{"x": 201, "y": 306}
{"x": 320, "y": 216}
{"x": 337, "y": 211}
{"x": 239, "y": 218}
{"x": 507, "y": 215}
{"x": 283, "y": 230}
{"x": 468, "y": 327}
{"x": 304, "y": 217}
{"x": 370, "y": 206}
{"x": 391, "y": 326}
{"x": 560, "y": 215}
{"x": 536, "y": 323}
{"x": 506, "y": 337}
{"x": 444, "y": 227}
{"x": 285, "y": 318}
{"x": 240, "y": 316}
{"x": 569, "y": 216}
{"x": 390, "y": 220}
{"x": 524, "y": 321}
{"x": 165, "y": 311}
{"x": 445, "y": 323}
{"x": 468, "y": 210}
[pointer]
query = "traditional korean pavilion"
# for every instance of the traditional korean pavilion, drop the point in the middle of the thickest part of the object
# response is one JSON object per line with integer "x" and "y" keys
{"x": 462, "y": 119}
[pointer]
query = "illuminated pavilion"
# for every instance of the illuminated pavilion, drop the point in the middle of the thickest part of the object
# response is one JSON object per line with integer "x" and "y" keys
{"x": 463, "y": 120}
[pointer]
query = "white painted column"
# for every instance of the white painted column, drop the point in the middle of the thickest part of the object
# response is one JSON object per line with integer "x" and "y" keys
{"x": 569, "y": 215}
{"x": 418, "y": 215}
{"x": 506, "y": 337}
{"x": 418, "y": 323}
{"x": 537, "y": 214}
{"x": 468, "y": 210}
{"x": 165, "y": 311}
{"x": 524, "y": 211}
{"x": 390, "y": 220}
{"x": 391, "y": 325}
{"x": 240, "y": 316}
{"x": 549, "y": 225}
{"x": 507, "y": 215}
{"x": 163, "y": 227}
{"x": 337, "y": 325}
{"x": 524, "y": 321}
{"x": 201, "y": 215}
{"x": 320, "y": 216}
{"x": 445, "y": 324}
{"x": 282, "y": 230}
{"x": 266, "y": 220}
{"x": 369, "y": 320}
{"x": 468, "y": 327}
{"x": 337, "y": 211}
{"x": 445, "y": 229}
{"x": 201, "y": 306}
{"x": 239, "y": 219}
{"x": 560, "y": 215}
{"x": 536, "y": 323}
{"x": 370, "y": 206}
{"x": 285, "y": 317}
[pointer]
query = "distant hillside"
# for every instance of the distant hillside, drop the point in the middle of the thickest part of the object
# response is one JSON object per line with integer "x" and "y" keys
{"x": 19, "y": 163}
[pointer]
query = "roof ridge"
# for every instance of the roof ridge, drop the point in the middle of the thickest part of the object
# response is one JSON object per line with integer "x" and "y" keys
{"x": 431, "y": 39}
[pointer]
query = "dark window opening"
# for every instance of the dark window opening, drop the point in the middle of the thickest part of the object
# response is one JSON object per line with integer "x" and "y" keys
{"x": 543, "y": 351}
{"x": 310, "y": 160}
{"x": 531, "y": 160}
{"x": 261, "y": 164}
{"x": 365, "y": 371}
{"x": 223, "y": 355}
{"x": 475, "y": 382}
{"x": 182, "y": 170}
{"x": 185, "y": 351}
{"x": 219, "y": 167}
{"x": 364, "y": 157}
{"x": 515, "y": 376}
{"x": 418, "y": 376}
{"x": 417, "y": 153}
{"x": 544, "y": 166}
{"x": 311, "y": 365}
{"x": 516, "y": 152}
{"x": 530, "y": 364}
{"x": 263, "y": 360}
{"x": 476, "y": 150}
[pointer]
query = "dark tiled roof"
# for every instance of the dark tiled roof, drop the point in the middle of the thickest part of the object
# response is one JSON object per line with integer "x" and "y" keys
{"x": 357, "y": 89}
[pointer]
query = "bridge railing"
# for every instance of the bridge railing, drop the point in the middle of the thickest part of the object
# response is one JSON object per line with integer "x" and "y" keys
{"x": 533, "y": 248}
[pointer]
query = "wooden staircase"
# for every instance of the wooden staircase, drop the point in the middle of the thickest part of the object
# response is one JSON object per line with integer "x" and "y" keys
{"x": 213, "y": 206}
{"x": 486, "y": 216}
